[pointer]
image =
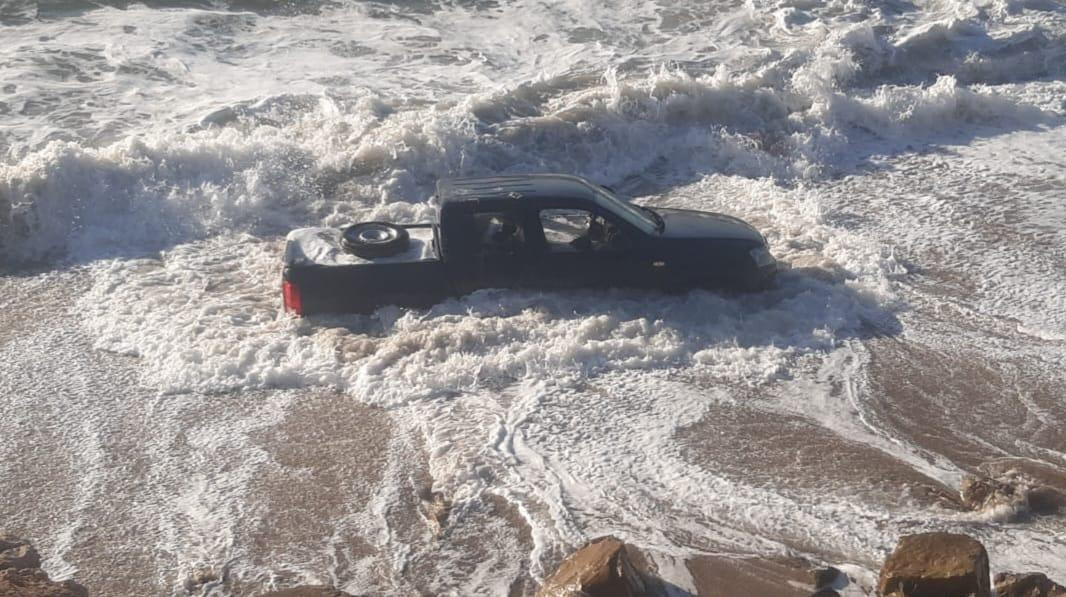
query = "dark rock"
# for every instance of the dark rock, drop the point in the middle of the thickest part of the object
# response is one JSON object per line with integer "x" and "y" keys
{"x": 198, "y": 579}
{"x": 307, "y": 591}
{"x": 33, "y": 582}
{"x": 826, "y": 593}
{"x": 936, "y": 565}
{"x": 17, "y": 554}
{"x": 1010, "y": 584}
{"x": 824, "y": 577}
{"x": 21, "y": 576}
{"x": 1050, "y": 480}
{"x": 1046, "y": 500}
{"x": 1035, "y": 490}
{"x": 975, "y": 490}
{"x": 602, "y": 568}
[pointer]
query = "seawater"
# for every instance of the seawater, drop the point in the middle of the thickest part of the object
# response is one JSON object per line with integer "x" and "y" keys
{"x": 903, "y": 158}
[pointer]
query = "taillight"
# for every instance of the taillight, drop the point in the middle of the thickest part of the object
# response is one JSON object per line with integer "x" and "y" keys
{"x": 291, "y": 295}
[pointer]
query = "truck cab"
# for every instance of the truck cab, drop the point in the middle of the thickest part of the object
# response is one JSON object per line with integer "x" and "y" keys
{"x": 524, "y": 231}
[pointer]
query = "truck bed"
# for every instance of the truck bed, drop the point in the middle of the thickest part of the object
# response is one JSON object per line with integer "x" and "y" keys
{"x": 323, "y": 246}
{"x": 329, "y": 279}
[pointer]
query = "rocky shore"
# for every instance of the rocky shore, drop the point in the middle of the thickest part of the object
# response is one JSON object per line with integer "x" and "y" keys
{"x": 21, "y": 574}
{"x": 935, "y": 564}
{"x": 922, "y": 565}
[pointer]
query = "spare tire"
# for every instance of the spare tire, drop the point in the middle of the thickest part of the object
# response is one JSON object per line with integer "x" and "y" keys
{"x": 375, "y": 239}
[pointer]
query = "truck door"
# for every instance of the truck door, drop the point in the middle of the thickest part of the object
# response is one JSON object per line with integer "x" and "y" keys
{"x": 579, "y": 248}
{"x": 500, "y": 250}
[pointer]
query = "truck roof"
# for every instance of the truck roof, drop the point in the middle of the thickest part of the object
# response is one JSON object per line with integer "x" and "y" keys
{"x": 514, "y": 186}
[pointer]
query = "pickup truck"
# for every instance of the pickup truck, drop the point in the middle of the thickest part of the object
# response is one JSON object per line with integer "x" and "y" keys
{"x": 543, "y": 231}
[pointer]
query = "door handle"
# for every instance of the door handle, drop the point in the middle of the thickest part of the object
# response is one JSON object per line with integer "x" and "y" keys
{"x": 658, "y": 263}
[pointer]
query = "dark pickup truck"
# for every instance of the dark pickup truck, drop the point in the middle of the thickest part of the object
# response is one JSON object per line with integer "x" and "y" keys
{"x": 544, "y": 231}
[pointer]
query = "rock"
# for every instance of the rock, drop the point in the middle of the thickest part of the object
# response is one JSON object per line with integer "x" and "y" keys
{"x": 21, "y": 575}
{"x": 1050, "y": 480}
{"x": 602, "y": 568}
{"x": 307, "y": 591}
{"x": 1034, "y": 584}
{"x": 824, "y": 577}
{"x": 826, "y": 593}
{"x": 1046, "y": 500}
{"x": 936, "y": 565}
{"x": 435, "y": 509}
{"x": 1015, "y": 489}
{"x": 17, "y": 554}
{"x": 33, "y": 582}
{"x": 981, "y": 493}
{"x": 198, "y": 579}
{"x": 935, "y": 494}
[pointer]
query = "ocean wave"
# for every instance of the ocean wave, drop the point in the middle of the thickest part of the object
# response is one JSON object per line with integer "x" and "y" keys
{"x": 330, "y": 160}
{"x": 838, "y": 97}
{"x": 143, "y": 195}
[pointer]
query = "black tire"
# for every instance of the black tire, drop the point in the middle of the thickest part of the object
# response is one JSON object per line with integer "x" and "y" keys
{"x": 375, "y": 239}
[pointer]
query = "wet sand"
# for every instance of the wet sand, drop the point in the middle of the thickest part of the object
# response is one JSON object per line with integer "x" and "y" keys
{"x": 730, "y": 577}
{"x": 147, "y": 494}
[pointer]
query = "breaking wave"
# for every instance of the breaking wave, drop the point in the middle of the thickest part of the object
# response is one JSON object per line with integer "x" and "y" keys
{"x": 322, "y": 160}
{"x": 820, "y": 106}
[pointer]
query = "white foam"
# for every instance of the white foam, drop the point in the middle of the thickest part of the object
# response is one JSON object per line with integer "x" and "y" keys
{"x": 274, "y": 145}
{"x": 436, "y": 369}
{"x": 197, "y": 138}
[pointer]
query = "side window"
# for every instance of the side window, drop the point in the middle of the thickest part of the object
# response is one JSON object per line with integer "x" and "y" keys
{"x": 578, "y": 230}
{"x": 564, "y": 227}
{"x": 498, "y": 232}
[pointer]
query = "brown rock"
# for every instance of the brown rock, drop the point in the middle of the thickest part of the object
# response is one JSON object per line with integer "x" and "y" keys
{"x": 1021, "y": 487}
{"x": 435, "y": 509}
{"x": 936, "y": 565}
{"x": 602, "y": 568}
{"x": 1032, "y": 473}
{"x": 307, "y": 591}
{"x": 979, "y": 493}
{"x": 1034, "y": 584}
{"x": 17, "y": 554}
{"x": 934, "y": 494}
{"x": 33, "y": 582}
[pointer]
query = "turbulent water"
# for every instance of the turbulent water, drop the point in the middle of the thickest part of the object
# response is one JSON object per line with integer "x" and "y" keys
{"x": 161, "y": 417}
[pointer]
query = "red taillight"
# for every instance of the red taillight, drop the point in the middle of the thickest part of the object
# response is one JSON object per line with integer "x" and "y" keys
{"x": 291, "y": 294}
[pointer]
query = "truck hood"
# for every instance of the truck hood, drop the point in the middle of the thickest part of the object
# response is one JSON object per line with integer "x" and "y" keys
{"x": 687, "y": 223}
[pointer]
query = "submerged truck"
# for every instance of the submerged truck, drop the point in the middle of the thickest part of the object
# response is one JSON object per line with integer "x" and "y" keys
{"x": 538, "y": 231}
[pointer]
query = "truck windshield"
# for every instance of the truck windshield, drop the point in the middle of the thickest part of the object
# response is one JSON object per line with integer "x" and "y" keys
{"x": 625, "y": 210}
